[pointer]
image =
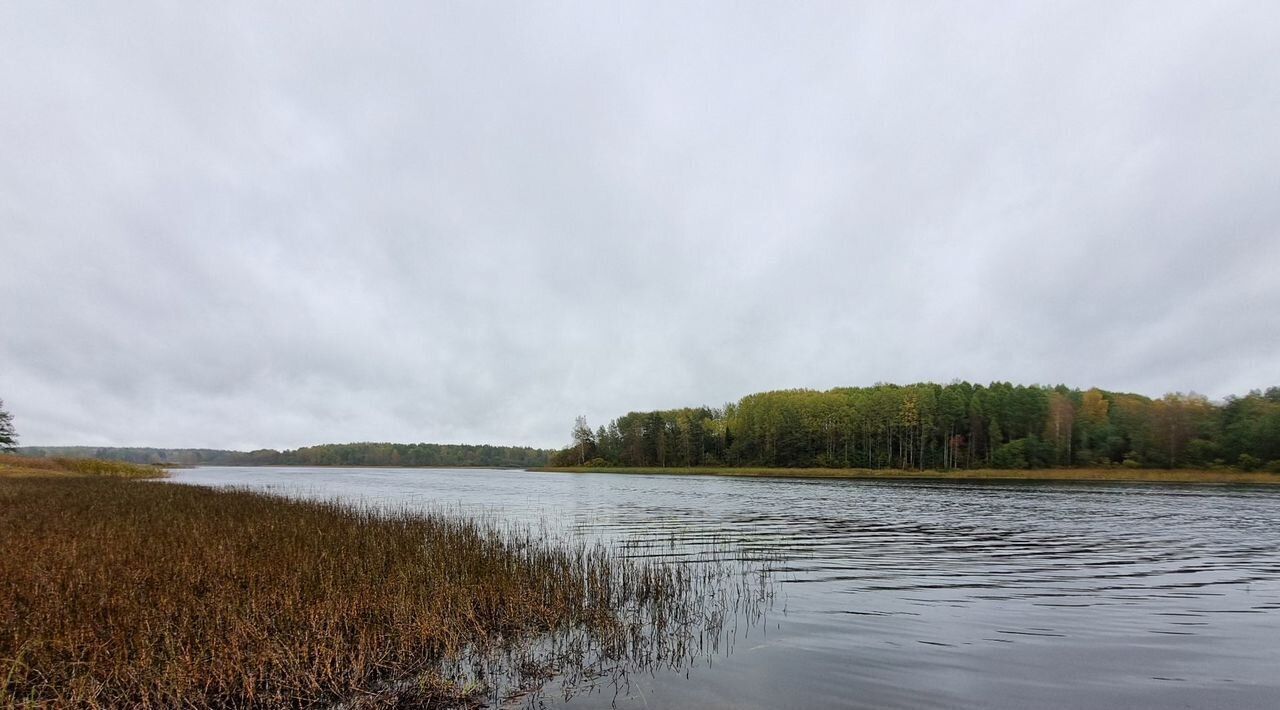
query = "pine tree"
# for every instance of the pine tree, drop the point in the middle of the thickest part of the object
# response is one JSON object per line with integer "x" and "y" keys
{"x": 8, "y": 438}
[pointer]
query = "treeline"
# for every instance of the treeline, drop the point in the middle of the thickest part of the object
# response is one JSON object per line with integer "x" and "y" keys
{"x": 359, "y": 454}
{"x": 932, "y": 426}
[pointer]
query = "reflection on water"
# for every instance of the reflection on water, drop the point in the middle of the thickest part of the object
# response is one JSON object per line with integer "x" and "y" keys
{"x": 908, "y": 594}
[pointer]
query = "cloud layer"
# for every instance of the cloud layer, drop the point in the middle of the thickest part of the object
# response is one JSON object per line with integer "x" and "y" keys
{"x": 239, "y": 226}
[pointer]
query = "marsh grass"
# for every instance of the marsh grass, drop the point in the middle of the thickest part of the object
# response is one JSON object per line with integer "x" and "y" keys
{"x": 12, "y": 466}
{"x": 116, "y": 593}
{"x": 1117, "y": 474}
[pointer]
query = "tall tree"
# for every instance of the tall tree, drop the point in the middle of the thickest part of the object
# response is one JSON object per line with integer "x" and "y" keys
{"x": 1175, "y": 420}
{"x": 583, "y": 438}
{"x": 1058, "y": 428}
{"x": 8, "y": 437}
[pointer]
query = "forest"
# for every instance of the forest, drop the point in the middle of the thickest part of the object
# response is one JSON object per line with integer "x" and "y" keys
{"x": 359, "y": 454}
{"x": 942, "y": 427}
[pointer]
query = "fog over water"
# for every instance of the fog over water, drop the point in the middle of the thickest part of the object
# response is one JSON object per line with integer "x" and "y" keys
{"x": 242, "y": 225}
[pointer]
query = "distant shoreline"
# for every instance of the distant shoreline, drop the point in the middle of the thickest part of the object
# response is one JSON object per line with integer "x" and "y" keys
{"x": 339, "y": 465}
{"x": 364, "y": 454}
{"x": 1083, "y": 475}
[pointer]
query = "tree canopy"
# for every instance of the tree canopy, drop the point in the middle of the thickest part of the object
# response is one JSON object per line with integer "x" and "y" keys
{"x": 934, "y": 426}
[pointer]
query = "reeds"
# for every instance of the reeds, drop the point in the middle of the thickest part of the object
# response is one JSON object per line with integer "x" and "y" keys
{"x": 1115, "y": 473}
{"x": 116, "y": 593}
{"x": 14, "y": 466}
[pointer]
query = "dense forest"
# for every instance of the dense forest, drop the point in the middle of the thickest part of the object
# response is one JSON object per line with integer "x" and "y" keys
{"x": 361, "y": 454}
{"x": 932, "y": 426}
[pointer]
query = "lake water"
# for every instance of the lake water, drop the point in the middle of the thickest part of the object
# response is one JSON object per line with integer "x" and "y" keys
{"x": 920, "y": 594}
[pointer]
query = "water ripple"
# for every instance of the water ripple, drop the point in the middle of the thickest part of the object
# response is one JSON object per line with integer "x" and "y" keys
{"x": 925, "y": 594}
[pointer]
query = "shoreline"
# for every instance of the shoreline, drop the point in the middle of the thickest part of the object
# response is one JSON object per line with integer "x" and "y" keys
{"x": 1065, "y": 475}
{"x": 194, "y": 596}
{"x": 14, "y": 466}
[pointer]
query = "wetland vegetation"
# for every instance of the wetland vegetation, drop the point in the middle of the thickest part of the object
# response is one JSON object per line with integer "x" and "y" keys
{"x": 1119, "y": 474}
{"x": 130, "y": 593}
{"x": 12, "y": 466}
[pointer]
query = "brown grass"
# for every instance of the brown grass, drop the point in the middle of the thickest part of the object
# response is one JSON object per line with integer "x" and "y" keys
{"x": 1118, "y": 474}
{"x": 123, "y": 594}
{"x": 13, "y": 466}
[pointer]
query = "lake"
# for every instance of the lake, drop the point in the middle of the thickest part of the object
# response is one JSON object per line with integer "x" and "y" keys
{"x": 917, "y": 594}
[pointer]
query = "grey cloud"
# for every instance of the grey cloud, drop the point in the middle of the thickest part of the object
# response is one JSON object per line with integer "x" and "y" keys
{"x": 271, "y": 225}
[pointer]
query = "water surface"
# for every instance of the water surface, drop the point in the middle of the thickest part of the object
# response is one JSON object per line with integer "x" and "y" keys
{"x": 919, "y": 594}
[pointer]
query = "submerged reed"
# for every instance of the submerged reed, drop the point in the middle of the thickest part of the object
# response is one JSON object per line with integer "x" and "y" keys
{"x": 116, "y": 593}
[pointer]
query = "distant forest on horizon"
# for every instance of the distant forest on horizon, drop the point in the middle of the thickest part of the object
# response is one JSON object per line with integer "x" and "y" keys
{"x": 357, "y": 454}
{"x": 953, "y": 426}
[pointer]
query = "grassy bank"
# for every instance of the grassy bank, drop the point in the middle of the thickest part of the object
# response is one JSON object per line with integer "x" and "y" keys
{"x": 12, "y": 466}
{"x": 1119, "y": 474}
{"x": 116, "y": 593}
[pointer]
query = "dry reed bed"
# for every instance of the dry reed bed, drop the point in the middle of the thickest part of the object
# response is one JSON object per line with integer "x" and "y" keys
{"x": 117, "y": 593}
{"x": 12, "y": 466}
{"x": 1117, "y": 474}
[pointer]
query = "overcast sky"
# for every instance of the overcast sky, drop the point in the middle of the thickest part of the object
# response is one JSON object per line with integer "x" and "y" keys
{"x": 276, "y": 224}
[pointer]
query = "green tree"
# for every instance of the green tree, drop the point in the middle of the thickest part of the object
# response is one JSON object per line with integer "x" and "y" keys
{"x": 8, "y": 437}
{"x": 1011, "y": 455}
